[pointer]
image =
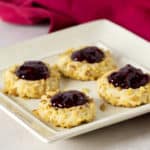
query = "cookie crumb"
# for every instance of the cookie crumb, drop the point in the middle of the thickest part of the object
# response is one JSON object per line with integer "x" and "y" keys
{"x": 49, "y": 94}
{"x": 103, "y": 107}
{"x": 85, "y": 90}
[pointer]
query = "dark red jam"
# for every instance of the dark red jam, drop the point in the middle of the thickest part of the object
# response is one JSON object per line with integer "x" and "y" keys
{"x": 33, "y": 70}
{"x": 90, "y": 54}
{"x": 128, "y": 77}
{"x": 69, "y": 99}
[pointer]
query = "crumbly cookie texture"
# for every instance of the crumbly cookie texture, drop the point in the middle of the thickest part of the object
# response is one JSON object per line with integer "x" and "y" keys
{"x": 84, "y": 70}
{"x": 30, "y": 89}
{"x": 65, "y": 117}
{"x": 122, "y": 97}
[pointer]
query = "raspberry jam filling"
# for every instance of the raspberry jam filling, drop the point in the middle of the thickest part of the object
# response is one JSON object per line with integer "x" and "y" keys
{"x": 128, "y": 77}
{"x": 69, "y": 99}
{"x": 90, "y": 54}
{"x": 33, "y": 70}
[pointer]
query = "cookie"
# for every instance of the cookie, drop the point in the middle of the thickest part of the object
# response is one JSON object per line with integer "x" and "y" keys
{"x": 127, "y": 87}
{"x": 32, "y": 79}
{"x": 88, "y": 63}
{"x": 66, "y": 109}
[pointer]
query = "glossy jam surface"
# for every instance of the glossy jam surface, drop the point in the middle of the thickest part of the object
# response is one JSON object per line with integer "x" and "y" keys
{"x": 33, "y": 70}
{"x": 90, "y": 54}
{"x": 128, "y": 77}
{"x": 69, "y": 99}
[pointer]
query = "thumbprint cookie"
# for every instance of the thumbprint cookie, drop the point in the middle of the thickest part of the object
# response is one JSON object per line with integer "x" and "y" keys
{"x": 128, "y": 87}
{"x": 87, "y": 63}
{"x": 32, "y": 79}
{"x": 66, "y": 109}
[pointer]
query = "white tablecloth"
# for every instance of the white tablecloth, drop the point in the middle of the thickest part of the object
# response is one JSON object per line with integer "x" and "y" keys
{"x": 129, "y": 135}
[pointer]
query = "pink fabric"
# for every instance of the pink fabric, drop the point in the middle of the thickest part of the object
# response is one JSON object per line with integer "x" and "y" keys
{"x": 132, "y": 14}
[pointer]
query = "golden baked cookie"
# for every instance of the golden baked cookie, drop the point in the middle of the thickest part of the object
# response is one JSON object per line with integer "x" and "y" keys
{"x": 87, "y": 63}
{"x": 66, "y": 109}
{"x": 31, "y": 79}
{"x": 128, "y": 87}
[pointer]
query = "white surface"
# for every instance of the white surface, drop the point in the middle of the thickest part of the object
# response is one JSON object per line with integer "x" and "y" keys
{"x": 132, "y": 134}
{"x": 11, "y": 34}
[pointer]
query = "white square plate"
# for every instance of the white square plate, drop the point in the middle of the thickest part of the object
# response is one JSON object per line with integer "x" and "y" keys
{"x": 126, "y": 48}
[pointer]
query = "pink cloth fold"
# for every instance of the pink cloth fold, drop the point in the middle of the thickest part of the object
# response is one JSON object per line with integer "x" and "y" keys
{"x": 132, "y": 14}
